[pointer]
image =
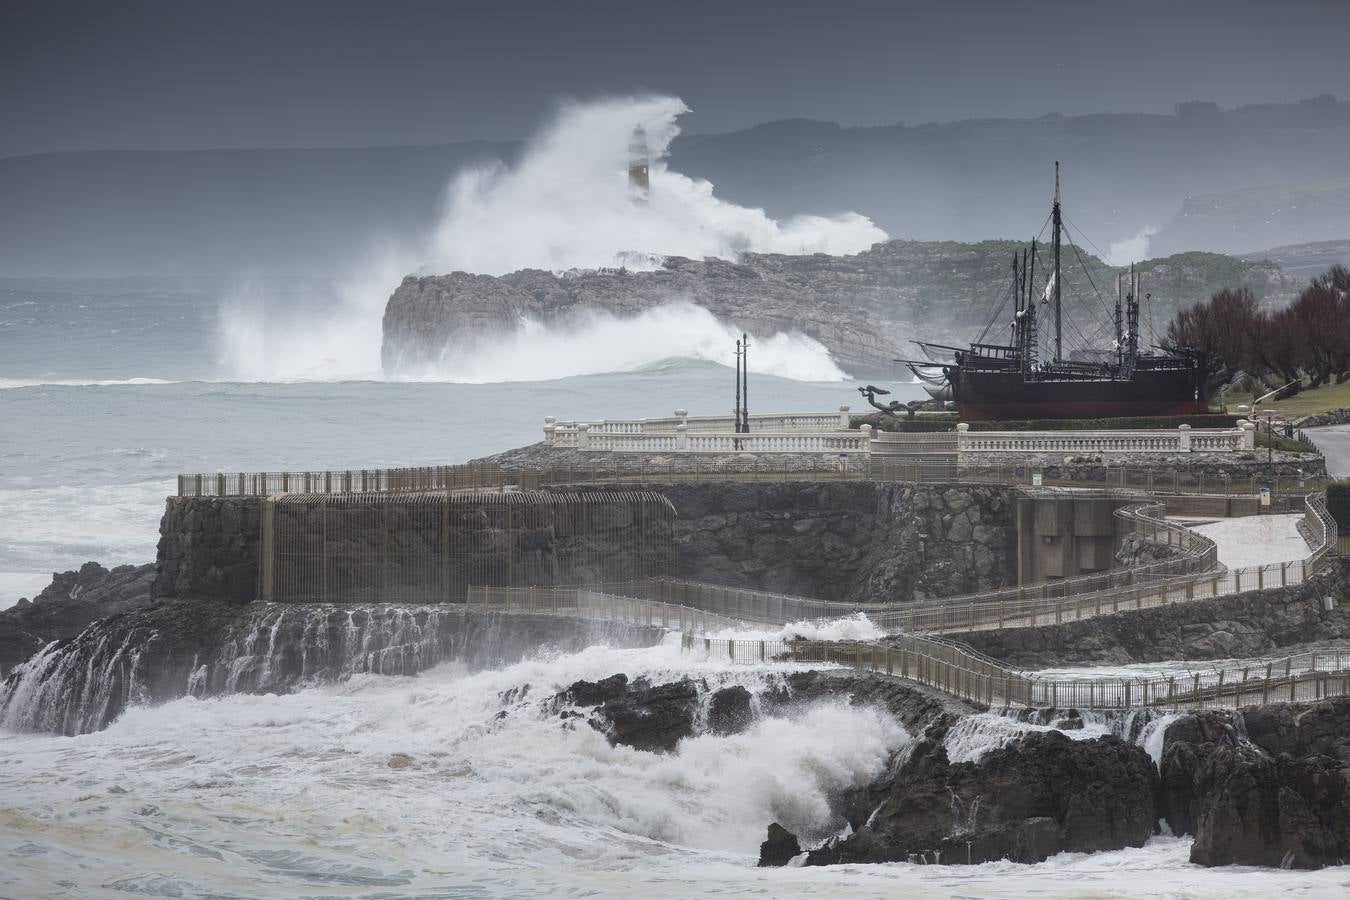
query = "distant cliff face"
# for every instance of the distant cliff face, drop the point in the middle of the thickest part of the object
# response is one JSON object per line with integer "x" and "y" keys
{"x": 864, "y": 308}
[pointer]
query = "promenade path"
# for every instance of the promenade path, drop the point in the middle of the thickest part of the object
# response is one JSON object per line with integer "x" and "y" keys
{"x": 748, "y": 626}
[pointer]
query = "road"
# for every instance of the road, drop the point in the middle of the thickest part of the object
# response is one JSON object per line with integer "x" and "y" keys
{"x": 1334, "y": 442}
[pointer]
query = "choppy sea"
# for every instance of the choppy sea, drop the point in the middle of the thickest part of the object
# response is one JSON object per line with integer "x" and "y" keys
{"x": 108, "y": 390}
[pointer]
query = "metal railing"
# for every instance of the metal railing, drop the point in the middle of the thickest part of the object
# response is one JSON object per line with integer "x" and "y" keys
{"x": 960, "y": 672}
{"x": 472, "y": 476}
{"x": 946, "y": 665}
{"x": 692, "y": 467}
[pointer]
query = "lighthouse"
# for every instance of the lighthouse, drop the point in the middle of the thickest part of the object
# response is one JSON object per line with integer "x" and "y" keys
{"x": 639, "y": 182}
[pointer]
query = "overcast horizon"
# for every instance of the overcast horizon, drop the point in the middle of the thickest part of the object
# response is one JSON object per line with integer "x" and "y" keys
{"x": 156, "y": 75}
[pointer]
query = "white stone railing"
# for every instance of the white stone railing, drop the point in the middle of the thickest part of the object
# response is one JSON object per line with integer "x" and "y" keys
{"x": 684, "y": 440}
{"x": 564, "y": 433}
{"x": 1183, "y": 439}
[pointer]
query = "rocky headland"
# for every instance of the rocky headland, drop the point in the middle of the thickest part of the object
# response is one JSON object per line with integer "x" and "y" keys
{"x": 863, "y": 308}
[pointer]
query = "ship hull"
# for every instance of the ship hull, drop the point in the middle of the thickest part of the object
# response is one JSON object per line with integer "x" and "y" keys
{"x": 984, "y": 396}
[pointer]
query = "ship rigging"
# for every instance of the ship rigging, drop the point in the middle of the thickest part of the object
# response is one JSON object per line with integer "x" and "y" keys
{"x": 1012, "y": 380}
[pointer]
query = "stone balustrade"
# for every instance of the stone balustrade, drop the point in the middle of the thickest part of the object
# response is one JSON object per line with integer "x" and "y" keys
{"x": 829, "y": 433}
{"x": 1183, "y": 439}
{"x": 564, "y": 433}
{"x": 683, "y": 440}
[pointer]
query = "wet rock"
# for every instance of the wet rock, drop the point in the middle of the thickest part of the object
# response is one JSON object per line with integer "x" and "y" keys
{"x": 729, "y": 711}
{"x": 399, "y": 761}
{"x": 73, "y": 601}
{"x": 1041, "y": 794}
{"x": 1273, "y": 811}
{"x": 651, "y": 718}
{"x": 594, "y": 693}
{"x": 780, "y": 848}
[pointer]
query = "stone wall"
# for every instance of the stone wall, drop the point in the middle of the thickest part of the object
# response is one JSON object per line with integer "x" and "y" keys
{"x": 208, "y": 547}
{"x": 1250, "y": 624}
{"x": 856, "y": 541}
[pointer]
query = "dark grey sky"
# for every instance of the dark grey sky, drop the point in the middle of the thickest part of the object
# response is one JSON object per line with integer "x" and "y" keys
{"x": 190, "y": 74}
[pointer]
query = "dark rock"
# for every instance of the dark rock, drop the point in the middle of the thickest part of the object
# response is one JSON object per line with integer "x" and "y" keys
{"x": 1264, "y": 811}
{"x": 780, "y": 848}
{"x": 1042, "y": 794}
{"x": 1251, "y": 624}
{"x": 1302, "y": 730}
{"x": 593, "y": 693}
{"x": 1188, "y": 744}
{"x": 729, "y": 711}
{"x": 67, "y": 606}
{"x": 651, "y": 718}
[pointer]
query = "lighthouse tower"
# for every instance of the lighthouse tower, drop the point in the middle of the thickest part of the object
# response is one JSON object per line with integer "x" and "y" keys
{"x": 639, "y": 182}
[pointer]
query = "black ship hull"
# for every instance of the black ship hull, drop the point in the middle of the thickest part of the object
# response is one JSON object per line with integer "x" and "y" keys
{"x": 992, "y": 395}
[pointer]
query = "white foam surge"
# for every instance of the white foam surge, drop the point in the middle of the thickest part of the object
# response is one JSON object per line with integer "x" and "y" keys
{"x": 295, "y": 789}
{"x": 294, "y": 795}
{"x": 1131, "y": 249}
{"x": 565, "y": 205}
{"x": 856, "y": 627}
{"x": 974, "y": 736}
{"x": 596, "y": 342}
{"x": 9, "y": 384}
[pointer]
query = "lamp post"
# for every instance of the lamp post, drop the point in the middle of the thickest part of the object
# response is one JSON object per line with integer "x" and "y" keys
{"x": 1269, "y": 416}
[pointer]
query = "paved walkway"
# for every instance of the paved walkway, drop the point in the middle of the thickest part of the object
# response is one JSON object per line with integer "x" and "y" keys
{"x": 1256, "y": 540}
{"x": 1334, "y": 442}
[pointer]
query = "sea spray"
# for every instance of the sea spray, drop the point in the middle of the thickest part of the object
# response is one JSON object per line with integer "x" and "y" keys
{"x": 595, "y": 342}
{"x": 973, "y": 736}
{"x": 207, "y": 649}
{"x": 565, "y": 205}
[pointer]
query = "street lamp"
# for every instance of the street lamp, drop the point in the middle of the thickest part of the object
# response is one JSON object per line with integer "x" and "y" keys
{"x": 1269, "y": 417}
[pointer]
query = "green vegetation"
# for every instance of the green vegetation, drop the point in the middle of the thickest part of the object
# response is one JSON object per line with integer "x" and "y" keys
{"x": 1280, "y": 442}
{"x": 1338, "y": 503}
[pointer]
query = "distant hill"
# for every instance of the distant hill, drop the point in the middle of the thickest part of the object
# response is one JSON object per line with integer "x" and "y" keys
{"x": 1259, "y": 217}
{"x": 1306, "y": 260}
{"x": 296, "y": 211}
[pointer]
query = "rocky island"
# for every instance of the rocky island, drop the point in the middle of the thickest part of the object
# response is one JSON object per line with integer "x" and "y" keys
{"x": 863, "y": 308}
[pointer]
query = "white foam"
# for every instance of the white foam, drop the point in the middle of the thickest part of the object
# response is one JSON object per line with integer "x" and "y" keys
{"x": 9, "y": 384}
{"x": 856, "y": 627}
{"x": 566, "y": 205}
{"x": 595, "y": 342}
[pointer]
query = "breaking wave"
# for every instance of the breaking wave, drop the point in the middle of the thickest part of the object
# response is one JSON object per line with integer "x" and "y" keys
{"x": 565, "y": 205}
{"x": 599, "y": 342}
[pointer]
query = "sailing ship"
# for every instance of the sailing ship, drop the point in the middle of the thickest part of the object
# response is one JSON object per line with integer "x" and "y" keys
{"x": 1014, "y": 381}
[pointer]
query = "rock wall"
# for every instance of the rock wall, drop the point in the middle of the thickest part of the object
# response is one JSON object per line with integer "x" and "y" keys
{"x": 855, "y": 541}
{"x": 208, "y": 547}
{"x": 1267, "y": 785}
{"x": 68, "y": 605}
{"x": 1251, "y": 624}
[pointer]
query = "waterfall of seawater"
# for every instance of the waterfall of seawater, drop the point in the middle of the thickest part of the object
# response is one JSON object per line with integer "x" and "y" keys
{"x": 974, "y": 736}
{"x": 83, "y": 684}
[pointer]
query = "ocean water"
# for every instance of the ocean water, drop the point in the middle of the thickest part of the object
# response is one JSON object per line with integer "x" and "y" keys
{"x": 390, "y": 787}
{"x": 108, "y": 390}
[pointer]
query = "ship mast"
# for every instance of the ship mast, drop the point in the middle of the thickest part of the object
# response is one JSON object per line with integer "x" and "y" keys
{"x": 1054, "y": 214}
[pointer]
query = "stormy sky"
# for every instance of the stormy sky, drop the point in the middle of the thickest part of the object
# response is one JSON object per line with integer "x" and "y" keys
{"x": 302, "y": 73}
